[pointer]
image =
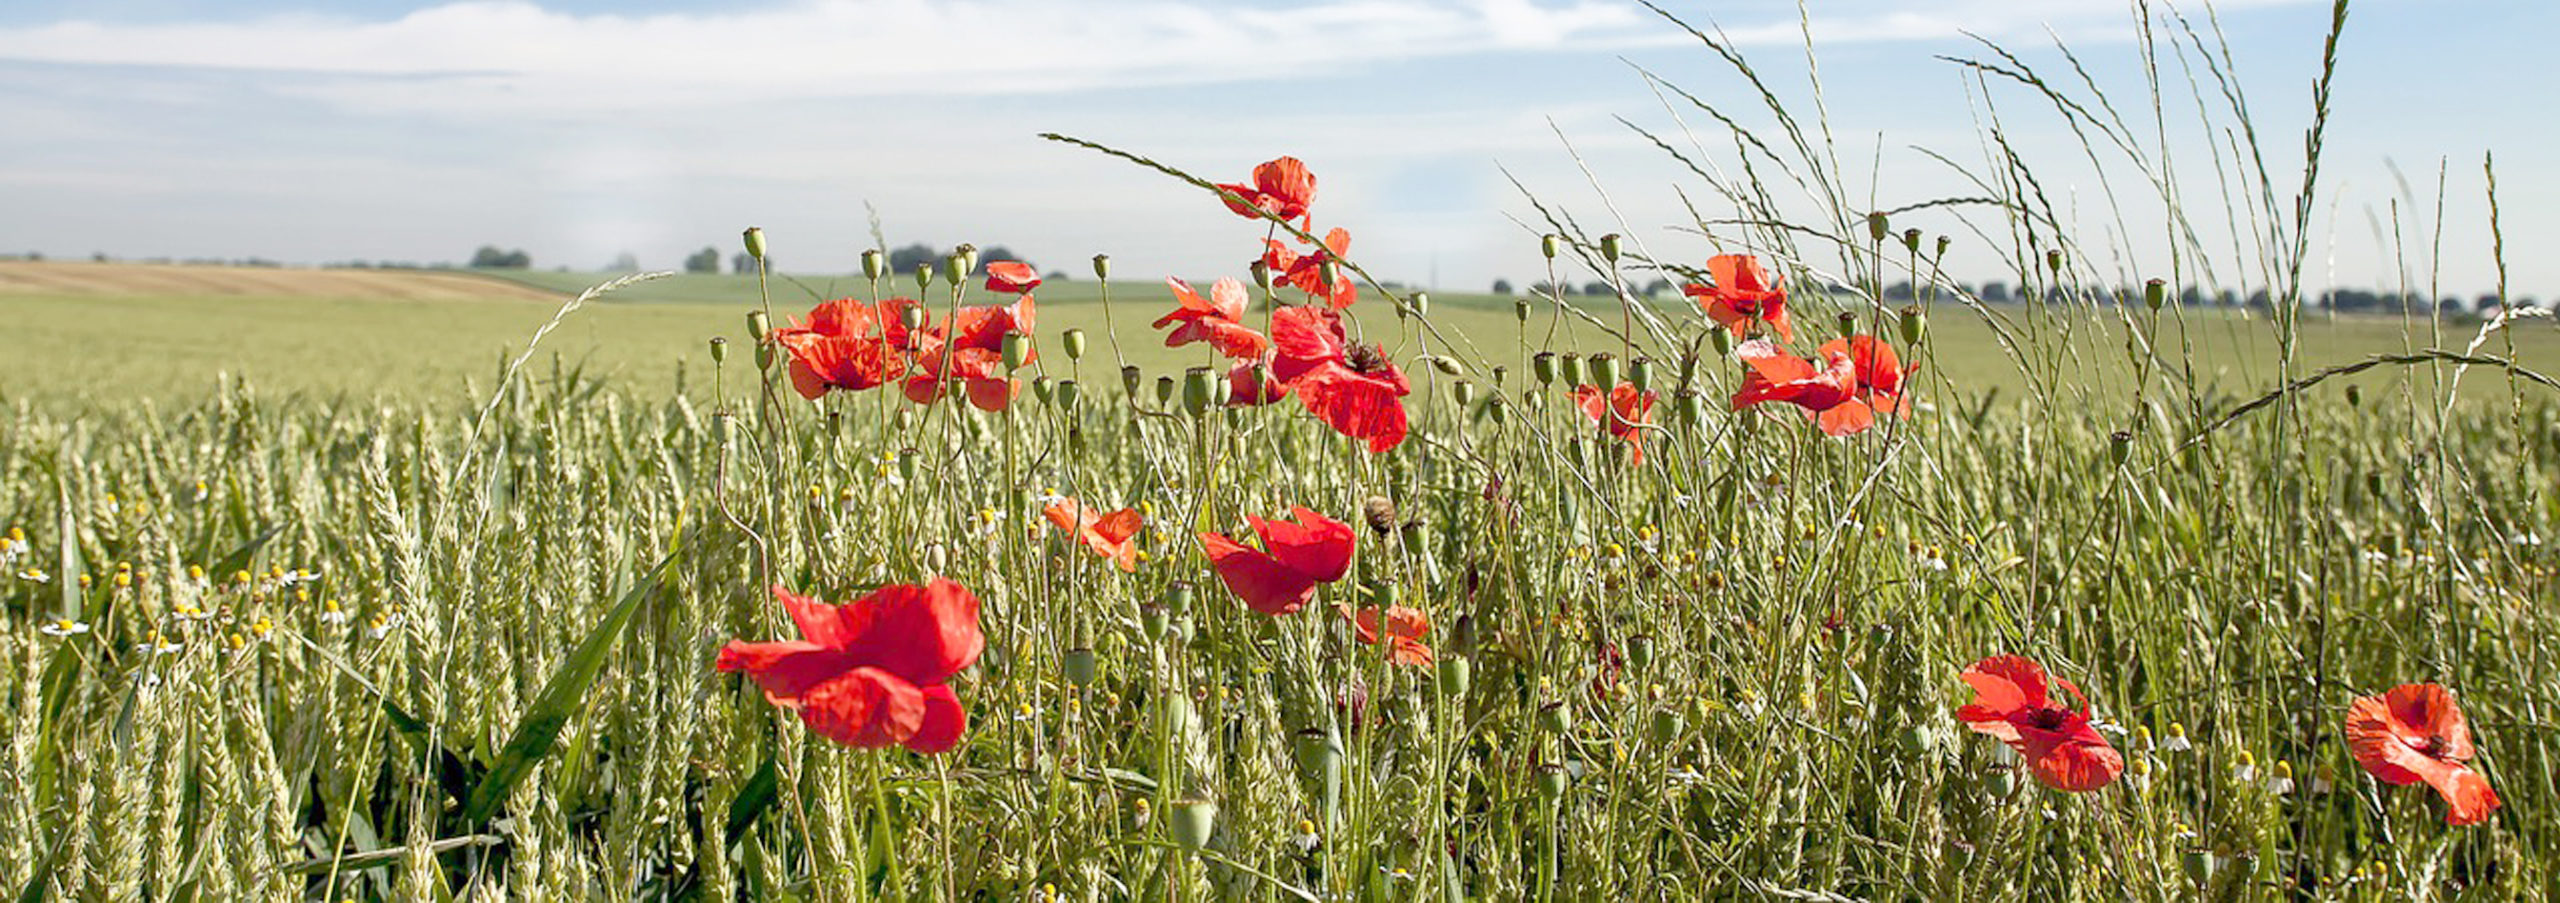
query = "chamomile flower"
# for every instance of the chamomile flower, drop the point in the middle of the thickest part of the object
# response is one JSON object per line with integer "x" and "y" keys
{"x": 157, "y": 644}
{"x": 2244, "y": 768}
{"x": 381, "y": 626}
{"x": 1306, "y": 839}
{"x": 63, "y": 627}
{"x": 2280, "y": 778}
{"x": 2177, "y": 739}
{"x": 332, "y": 613}
{"x": 35, "y": 575}
{"x": 2323, "y": 779}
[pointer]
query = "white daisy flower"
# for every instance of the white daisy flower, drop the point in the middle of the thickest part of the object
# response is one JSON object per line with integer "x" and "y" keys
{"x": 65, "y": 627}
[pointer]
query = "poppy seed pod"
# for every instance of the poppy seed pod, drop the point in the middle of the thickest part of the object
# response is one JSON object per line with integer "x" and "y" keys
{"x": 1552, "y": 781}
{"x": 1067, "y": 393}
{"x": 1543, "y": 366}
{"x": 1411, "y": 535}
{"x": 1045, "y": 390}
{"x": 1549, "y": 245}
{"x": 1131, "y": 379}
{"x": 1848, "y": 323}
{"x": 1197, "y": 390}
{"x": 758, "y": 324}
{"x": 2119, "y": 446}
{"x": 1456, "y": 673}
{"x": 2154, "y": 294}
{"x": 2053, "y": 260}
{"x": 1914, "y": 324}
{"x": 755, "y": 243}
{"x": 719, "y": 350}
{"x": 1017, "y": 350}
{"x": 1464, "y": 391}
{"x": 1379, "y": 513}
{"x": 1164, "y": 390}
{"x": 1448, "y": 366}
{"x": 1604, "y": 371}
{"x": 1081, "y": 666}
{"x": 1666, "y": 727}
{"x": 873, "y": 263}
{"x": 1520, "y": 309}
{"x": 1640, "y": 374}
{"x": 1610, "y": 246}
{"x": 1571, "y": 368}
{"x": 1878, "y": 227}
{"x": 1193, "y": 822}
{"x": 1640, "y": 651}
{"x": 1943, "y": 242}
{"x": 1911, "y": 240}
{"x": 907, "y": 464}
{"x": 1722, "y": 339}
{"x": 1420, "y": 304}
{"x": 1498, "y": 410}
{"x": 1692, "y": 407}
{"x": 1102, "y": 267}
{"x": 1498, "y": 374}
{"x": 968, "y": 254}
{"x": 913, "y": 316}
{"x": 1553, "y": 718}
{"x": 955, "y": 268}
{"x": 1154, "y": 622}
{"x": 924, "y": 276}
{"x": 1073, "y": 340}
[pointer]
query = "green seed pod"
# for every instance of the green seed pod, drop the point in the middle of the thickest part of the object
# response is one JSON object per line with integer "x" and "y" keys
{"x": 955, "y": 268}
{"x": 1572, "y": 370}
{"x": 1448, "y": 366}
{"x": 1848, "y": 323}
{"x": 1550, "y": 244}
{"x": 1498, "y": 410}
{"x": 1068, "y": 391}
{"x": 755, "y": 243}
{"x": 1262, "y": 275}
{"x": 1046, "y": 391}
{"x": 1604, "y": 371}
{"x": 1198, "y": 390}
{"x": 1667, "y": 727}
{"x": 1722, "y": 339}
{"x": 1081, "y": 666}
{"x": 1455, "y": 675}
{"x": 1420, "y": 304}
{"x": 913, "y": 316}
{"x": 2053, "y": 260}
{"x": 968, "y": 254}
{"x": 1331, "y": 272}
{"x": 1017, "y": 349}
{"x": 1164, "y": 390}
{"x": 1574, "y": 451}
{"x": 1543, "y": 366}
{"x": 1074, "y": 342}
{"x": 2119, "y": 446}
{"x": 873, "y": 263}
{"x": 1155, "y": 622}
{"x": 1692, "y": 407}
{"x": 1640, "y": 652}
{"x": 1498, "y": 374}
{"x": 1131, "y": 379}
{"x": 757, "y": 325}
{"x": 1520, "y": 309}
{"x": 1464, "y": 391}
{"x": 2154, "y": 294}
{"x": 1610, "y": 246}
{"x": 1552, "y": 782}
{"x": 1193, "y": 821}
{"x": 1911, "y": 240}
{"x": 1878, "y": 227}
{"x": 924, "y": 276}
{"x": 1943, "y": 242}
{"x": 908, "y": 464}
{"x": 1913, "y": 324}
{"x": 1553, "y": 718}
{"x": 719, "y": 350}
{"x": 1319, "y": 755}
{"x": 2198, "y": 865}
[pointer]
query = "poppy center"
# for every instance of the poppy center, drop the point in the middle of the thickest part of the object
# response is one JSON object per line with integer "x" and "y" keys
{"x": 2049, "y": 719}
{"x": 1365, "y": 358}
{"x": 2434, "y": 747}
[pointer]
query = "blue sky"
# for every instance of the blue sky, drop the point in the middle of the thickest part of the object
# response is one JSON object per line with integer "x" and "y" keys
{"x": 580, "y": 129}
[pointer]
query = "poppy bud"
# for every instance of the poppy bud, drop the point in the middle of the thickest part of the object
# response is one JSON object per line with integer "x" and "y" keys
{"x": 1073, "y": 340}
{"x": 1914, "y": 324}
{"x": 1574, "y": 452}
{"x": 1723, "y": 340}
{"x": 1549, "y": 244}
{"x": 1911, "y": 240}
{"x": 1319, "y": 755}
{"x": 1462, "y": 635}
{"x": 1498, "y": 410}
{"x": 1131, "y": 379}
{"x": 1688, "y": 368}
{"x": 1552, "y": 782}
{"x": 907, "y": 464}
{"x": 1691, "y": 407}
{"x": 1572, "y": 367}
{"x": 1543, "y": 366}
{"x": 1044, "y": 390}
{"x": 1420, "y": 304}
{"x": 758, "y": 324}
{"x": 1609, "y": 247}
{"x": 2355, "y": 395}
{"x": 873, "y": 264}
{"x": 1464, "y": 391}
{"x": 968, "y": 254}
{"x": 1604, "y": 371}
{"x": 924, "y": 276}
{"x": 2119, "y": 446}
{"x": 1410, "y": 535}
{"x": 1164, "y": 391}
{"x": 1448, "y": 366}
{"x": 755, "y": 243}
{"x": 1640, "y": 651}
{"x": 912, "y": 316}
{"x": 2154, "y": 294}
{"x": 1330, "y": 271}
{"x": 1067, "y": 392}
{"x": 2053, "y": 260}
{"x": 1848, "y": 323}
{"x": 1075, "y": 434}
{"x": 1017, "y": 349}
{"x": 719, "y": 350}
{"x": 1196, "y": 393}
{"x": 1262, "y": 275}
{"x": 1080, "y": 666}
{"x": 1520, "y": 309}
{"x": 955, "y": 268}
{"x": 1455, "y": 674}
{"x": 1666, "y": 727}
{"x": 1193, "y": 822}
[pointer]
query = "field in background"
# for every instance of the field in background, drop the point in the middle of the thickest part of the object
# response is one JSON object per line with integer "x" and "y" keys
{"x": 106, "y": 334}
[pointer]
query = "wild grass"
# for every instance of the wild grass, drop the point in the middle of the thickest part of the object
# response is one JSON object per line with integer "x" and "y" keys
{"x": 408, "y": 649}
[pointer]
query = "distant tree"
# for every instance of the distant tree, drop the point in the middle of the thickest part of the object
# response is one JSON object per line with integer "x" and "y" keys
{"x": 1657, "y": 288}
{"x": 1598, "y": 287}
{"x": 98, "y": 257}
{"x": 1899, "y": 291}
{"x": 907, "y": 259}
{"x": 744, "y": 265}
{"x": 490, "y": 258}
{"x": 1054, "y": 276}
{"x": 2488, "y": 302}
{"x": 1995, "y": 292}
{"x": 626, "y": 262}
{"x": 1502, "y": 286}
{"x": 706, "y": 260}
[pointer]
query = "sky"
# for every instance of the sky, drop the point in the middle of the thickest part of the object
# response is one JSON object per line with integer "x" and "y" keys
{"x": 580, "y": 130}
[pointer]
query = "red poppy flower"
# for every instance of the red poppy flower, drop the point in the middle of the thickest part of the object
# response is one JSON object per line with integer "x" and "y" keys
{"x": 2060, "y": 747}
{"x": 1011, "y": 276}
{"x": 2415, "y": 732}
{"x": 846, "y": 344}
{"x": 874, "y": 672}
{"x": 1108, "y": 535}
{"x": 1250, "y": 383}
{"x": 1351, "y": 387}
{"x": 1282, "y": 188}
{"x": 1406, "y": 626}
{"x": 1743, "y": 294}
{"x": 1623, "y": 411}
{"x": 1860, "y": 378}
{"x": 1217, "y": 319}
{"x": 1316, "y": 549}
{"x": 972, "y": 354}
{"x": 1306, "y": 271}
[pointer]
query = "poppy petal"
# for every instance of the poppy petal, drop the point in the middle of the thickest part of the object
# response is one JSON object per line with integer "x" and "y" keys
{"x": 1316, "y": 546}
{"x": 2007, "y": 683}
{"x": 923, "y": 634}
{"x": 864, "y": 707}
{"x": 1265, "y": 585}
{"x": 944, "y": 721}
{"x": 785, "y": 670}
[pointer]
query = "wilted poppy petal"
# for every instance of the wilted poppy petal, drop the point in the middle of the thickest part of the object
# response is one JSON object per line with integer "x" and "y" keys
{"x": 944, "y": 721}
{"x": 864, "y": 707}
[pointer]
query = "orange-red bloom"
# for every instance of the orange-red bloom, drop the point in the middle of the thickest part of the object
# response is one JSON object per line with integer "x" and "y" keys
{"x": 973, "y": 353}
{"x": 1011, "y": 276}
{"x": 1743, "y": 294}
{"x": 874, "y": 672}
{"x": 1250, "y": 383}
{"x": 1111, "y": 536}
{"x": 1217, "y": 319}
{"x": 1351, "y": 387}
{"x": 2060, "y": 747}
{"x": 2415, "y": 732}
{"x": 1622, "y": 410}
{"x": 1282, "y": 188}
{"x": 1406, "y": 626}
{"x": 1859, "y": 378}
{"x": 1306, "y": 271}
{"x": 846, "y": 344}
{"x": 1316, "y": 549}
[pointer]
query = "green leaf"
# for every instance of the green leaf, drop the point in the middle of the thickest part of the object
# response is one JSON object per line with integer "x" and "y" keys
{"x": 753, "y": 799}
{"x": 240, "y": 558}
{"x": 561, "y": 698}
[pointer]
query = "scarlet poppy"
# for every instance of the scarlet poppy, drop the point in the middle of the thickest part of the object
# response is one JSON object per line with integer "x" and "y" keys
{"x": 2415, "y": 732}
{"x": 1282, "y": 188}
{"x": 1250, "y": 383}
{"x": 1011, "y": 276}
{"x": 846, "y": 344}
{"x": 1406, "y": 626}
{"x": 1741, "y": 294}
{"x": 1314, "y": 550}
{"x": 972, "y": 354}
{"x": 1622, "y": 410}
{"x": 1306, "y": 271}
{"x": 1351, "y": 386}
{"x": 1859, "y": 378}
{"x": 874, "y": 672}
{"x": 2060, "y": 747}
{"x": 1217, "y": 319}
{"x": 1108, "y": 535}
